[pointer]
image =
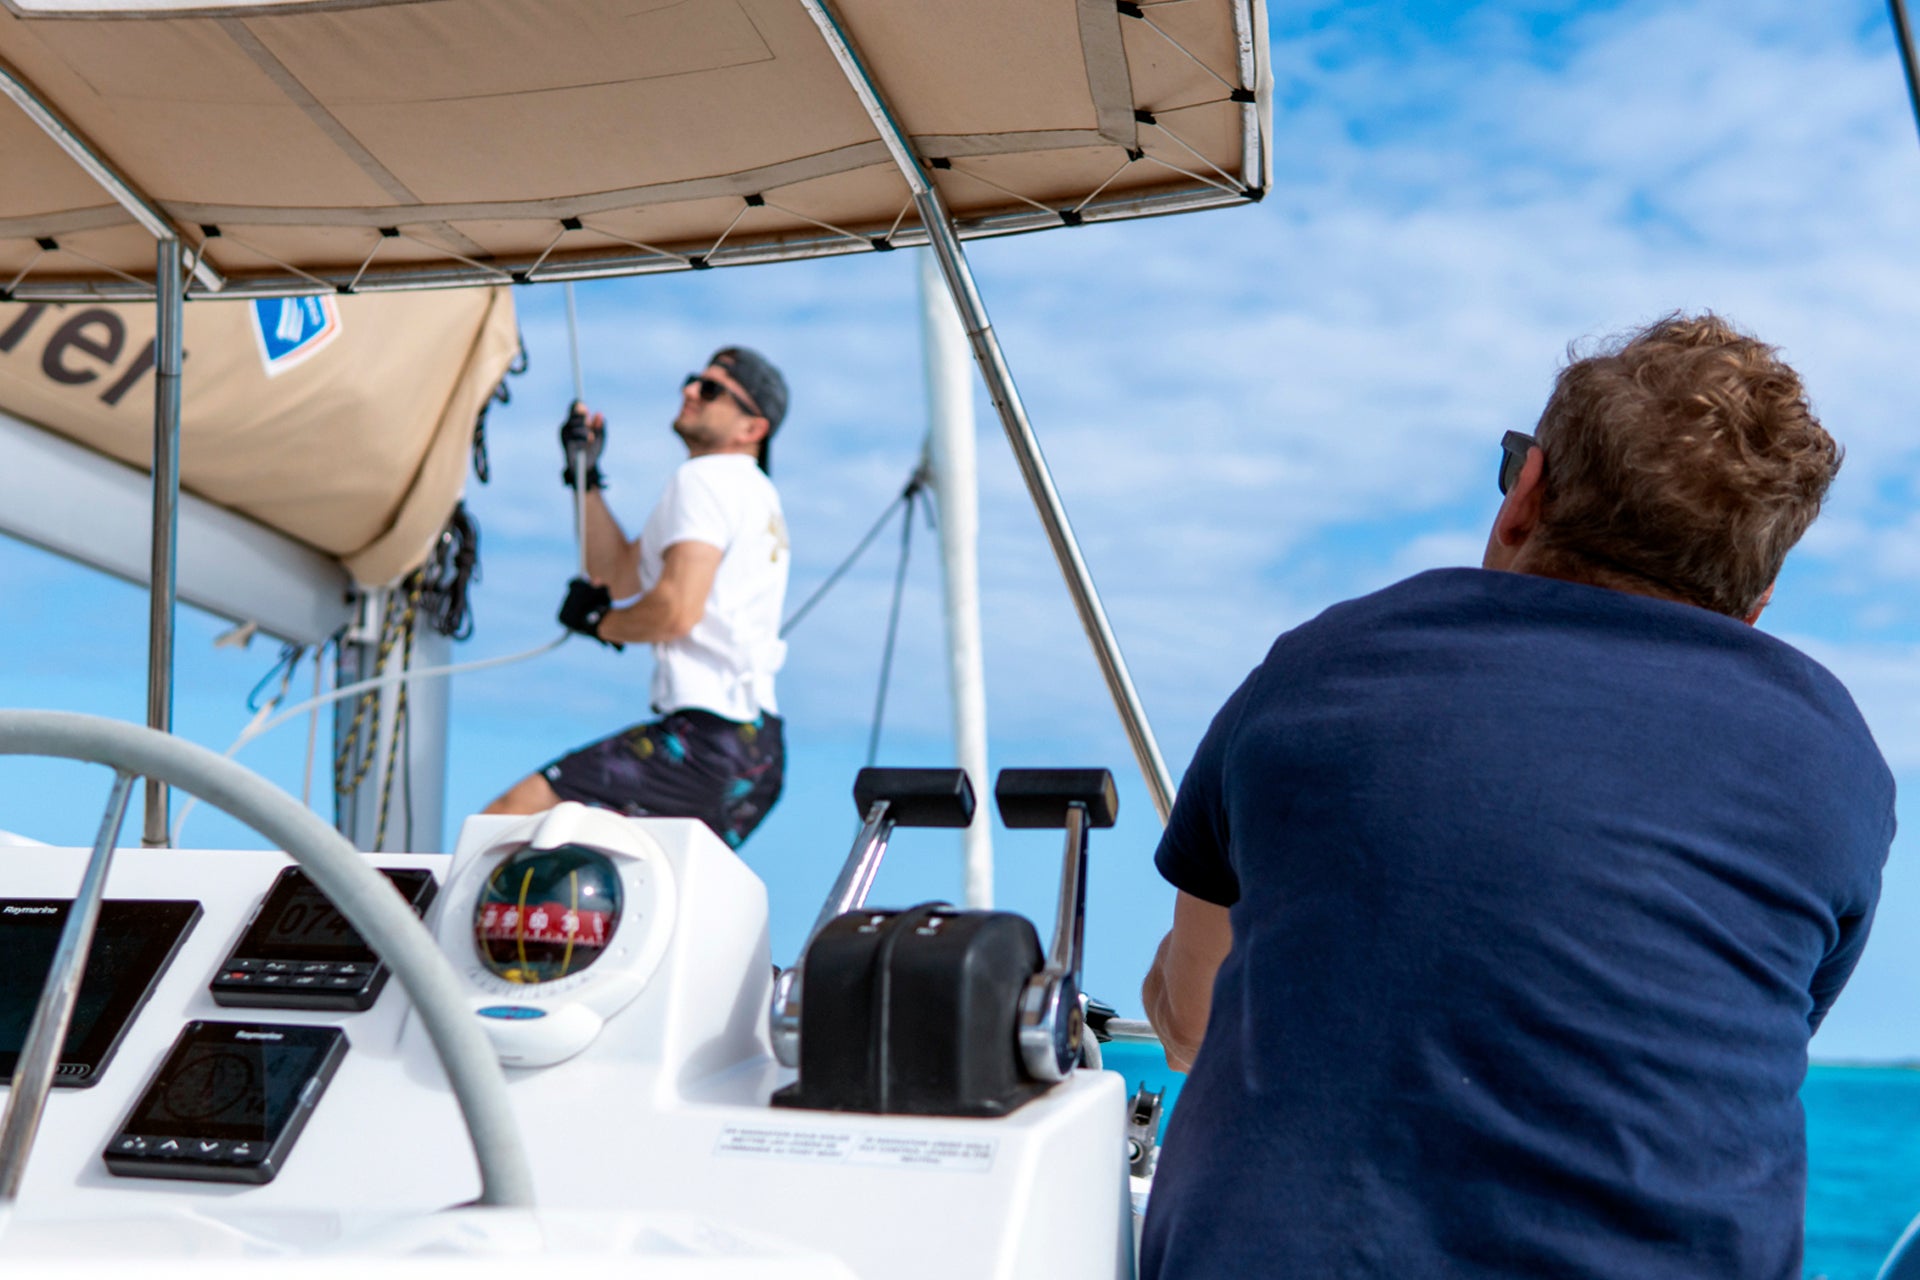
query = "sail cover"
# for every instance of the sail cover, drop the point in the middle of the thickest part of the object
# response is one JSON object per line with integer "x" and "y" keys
{"x": 345, "y": 423}
{"x": 363, "y": 144}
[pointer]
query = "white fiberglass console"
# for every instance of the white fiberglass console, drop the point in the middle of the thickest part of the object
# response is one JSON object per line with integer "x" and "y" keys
{"x": 621, "y": 970}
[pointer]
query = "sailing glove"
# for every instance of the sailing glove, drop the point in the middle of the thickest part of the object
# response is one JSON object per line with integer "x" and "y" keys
{"x": 586, "y": 604}
{"x": 581, "y": 438}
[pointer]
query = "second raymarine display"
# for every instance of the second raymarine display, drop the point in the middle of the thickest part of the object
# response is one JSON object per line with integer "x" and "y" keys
{"x": 228, "y": 1103}
{"x": 299, "y": 952}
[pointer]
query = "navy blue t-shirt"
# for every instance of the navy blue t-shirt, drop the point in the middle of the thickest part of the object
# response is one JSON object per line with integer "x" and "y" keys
{"x": 1538, "y": 891}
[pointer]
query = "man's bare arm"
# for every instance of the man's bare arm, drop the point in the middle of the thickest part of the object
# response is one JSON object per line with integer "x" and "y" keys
{"x": 1178, "y": 991}
{"x": 677, "y": 601}
{"x": 612, "y": 559}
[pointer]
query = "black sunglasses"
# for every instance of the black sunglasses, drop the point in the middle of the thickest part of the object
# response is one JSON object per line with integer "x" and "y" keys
{"x": 1513, "y": 456}
{"x": 712, "y": 389}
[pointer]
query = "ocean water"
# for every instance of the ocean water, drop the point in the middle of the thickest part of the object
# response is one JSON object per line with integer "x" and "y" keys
{"x": 1863, "y": 1156}
{"x": 1863, "y": 1166}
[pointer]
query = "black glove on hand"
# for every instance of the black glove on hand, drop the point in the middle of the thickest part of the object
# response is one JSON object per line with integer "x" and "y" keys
{"x": 581, "y": 437}
{"x": 586, "y": 604}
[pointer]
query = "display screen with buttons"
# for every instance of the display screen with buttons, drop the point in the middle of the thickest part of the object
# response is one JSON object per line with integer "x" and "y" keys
{"x": 228, "y": 1103}
{"x": 133, "y": 943}
{"x": 299, "y": 952}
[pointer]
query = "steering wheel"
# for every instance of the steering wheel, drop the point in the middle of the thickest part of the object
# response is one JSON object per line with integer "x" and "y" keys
{"x": 362, "y": 894}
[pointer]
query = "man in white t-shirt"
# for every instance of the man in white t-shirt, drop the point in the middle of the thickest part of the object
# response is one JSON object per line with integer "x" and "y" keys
{"x": 704, "y": 584}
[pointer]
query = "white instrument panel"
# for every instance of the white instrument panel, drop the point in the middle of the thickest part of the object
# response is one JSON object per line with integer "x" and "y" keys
{"x": 662, "y": 1118}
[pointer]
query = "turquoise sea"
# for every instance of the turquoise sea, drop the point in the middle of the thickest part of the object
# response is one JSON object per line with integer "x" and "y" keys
{"x": 1863, "y": 1156}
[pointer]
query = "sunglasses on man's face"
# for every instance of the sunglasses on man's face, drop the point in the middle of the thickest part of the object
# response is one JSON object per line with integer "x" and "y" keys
{"x": 1513, "y": 456}
{"x": 712, "y": 389}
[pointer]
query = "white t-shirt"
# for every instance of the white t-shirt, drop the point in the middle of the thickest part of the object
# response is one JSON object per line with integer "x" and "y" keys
{"x": 726, "y": 663}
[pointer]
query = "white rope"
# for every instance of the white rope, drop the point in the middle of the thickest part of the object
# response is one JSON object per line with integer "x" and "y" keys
{"x": 263, "y": 723}
{"x": 579, "y": 460}
{"x": 573, "y": 340}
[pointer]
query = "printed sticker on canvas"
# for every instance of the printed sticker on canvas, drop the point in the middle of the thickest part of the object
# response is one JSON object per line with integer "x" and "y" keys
{"x": 290, "y": 330}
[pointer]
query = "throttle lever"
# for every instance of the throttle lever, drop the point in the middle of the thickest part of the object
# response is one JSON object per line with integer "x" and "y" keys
{"x": 1051, "y": 1017}
{"x": 887, "y": 798}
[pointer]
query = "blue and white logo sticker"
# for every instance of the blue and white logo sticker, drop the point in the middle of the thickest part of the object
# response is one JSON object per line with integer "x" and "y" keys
{"x": 292, "y": 329}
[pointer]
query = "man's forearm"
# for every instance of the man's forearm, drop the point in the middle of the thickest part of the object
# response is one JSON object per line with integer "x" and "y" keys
{"x": 674, "y": 605}
{"x": 1180, "y": 1027}
{"x": 611, "y": 558}
{"x": 654, "y": 618}
{"x": 1178, "y": 991}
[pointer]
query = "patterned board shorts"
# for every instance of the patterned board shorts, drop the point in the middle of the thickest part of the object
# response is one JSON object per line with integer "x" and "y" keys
{"x": 687, "y": 764}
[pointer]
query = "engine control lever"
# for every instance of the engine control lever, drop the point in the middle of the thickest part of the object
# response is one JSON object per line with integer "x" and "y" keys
{"x": 886, "y": 798}
{"x": 1078, "y": 800}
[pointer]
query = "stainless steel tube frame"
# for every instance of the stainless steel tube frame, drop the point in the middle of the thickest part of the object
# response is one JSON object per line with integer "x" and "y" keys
{"x": 1006, "y": 399}
{"x": 98, "y": 167}
{"x": 169, "y": 344}
{"x": 362, "y": 894}
{"x": 169, "y": 292}
{"x": 1909, "y": 59}
{"x": 848, "y": 894}
{"x": 40, "y": 1054}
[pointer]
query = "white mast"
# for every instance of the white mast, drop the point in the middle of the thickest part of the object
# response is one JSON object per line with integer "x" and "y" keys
{"x": 956, "y": 492}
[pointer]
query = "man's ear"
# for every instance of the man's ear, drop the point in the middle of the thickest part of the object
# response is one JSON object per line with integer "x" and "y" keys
{"x": 754, "y": 429}
{"x": 1766, "y": 598}
{"x": 1519, "y": 513}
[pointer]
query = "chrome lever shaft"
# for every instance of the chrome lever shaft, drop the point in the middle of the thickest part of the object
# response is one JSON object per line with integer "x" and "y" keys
{"x": 862, "y": 865}
{"x": 849, "y": 893}
{"x": 1070, "y": 916}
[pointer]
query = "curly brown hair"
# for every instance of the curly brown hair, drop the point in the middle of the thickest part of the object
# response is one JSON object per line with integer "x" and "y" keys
{"x": 1683, "y": 459}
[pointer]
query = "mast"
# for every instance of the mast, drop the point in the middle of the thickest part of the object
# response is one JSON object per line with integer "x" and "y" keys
{"x": 956, "y": 493}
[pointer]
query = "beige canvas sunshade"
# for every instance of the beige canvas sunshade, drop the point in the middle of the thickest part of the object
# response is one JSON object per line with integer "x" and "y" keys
{"x": 395, "y": 143}
{"x": 346, "y": 424}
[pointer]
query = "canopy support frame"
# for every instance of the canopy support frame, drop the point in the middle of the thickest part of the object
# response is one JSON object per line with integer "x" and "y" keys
{"x": 171, "y": 270}
{"x": 169, "y": 354}
{"x": 945, "y": 241}
{"x": 100, "y": 169}
{"x": 1909, "y": 63}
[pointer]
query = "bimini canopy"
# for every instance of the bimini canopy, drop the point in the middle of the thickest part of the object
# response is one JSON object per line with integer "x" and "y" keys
{"x": 344, "y": 423}
{"x": 364, "y": 144}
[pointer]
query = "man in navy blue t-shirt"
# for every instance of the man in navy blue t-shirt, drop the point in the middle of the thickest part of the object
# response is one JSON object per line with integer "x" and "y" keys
{"x": 1509, "y": 900}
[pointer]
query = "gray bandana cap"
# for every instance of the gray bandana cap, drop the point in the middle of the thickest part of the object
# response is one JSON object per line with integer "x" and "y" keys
{"x": 762, "y": 383}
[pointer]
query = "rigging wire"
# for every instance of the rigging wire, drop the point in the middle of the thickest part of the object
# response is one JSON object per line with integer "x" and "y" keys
{"x": 262, "y": 726}
{"x": 893, "y": 620}
{"x": 395, "y": 677}
{"x": 915, "y": 483}
{"x": 313, "y": 727}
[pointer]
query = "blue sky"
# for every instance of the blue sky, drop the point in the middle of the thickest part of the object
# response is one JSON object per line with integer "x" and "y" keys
{"x": 1251, "y": 414}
